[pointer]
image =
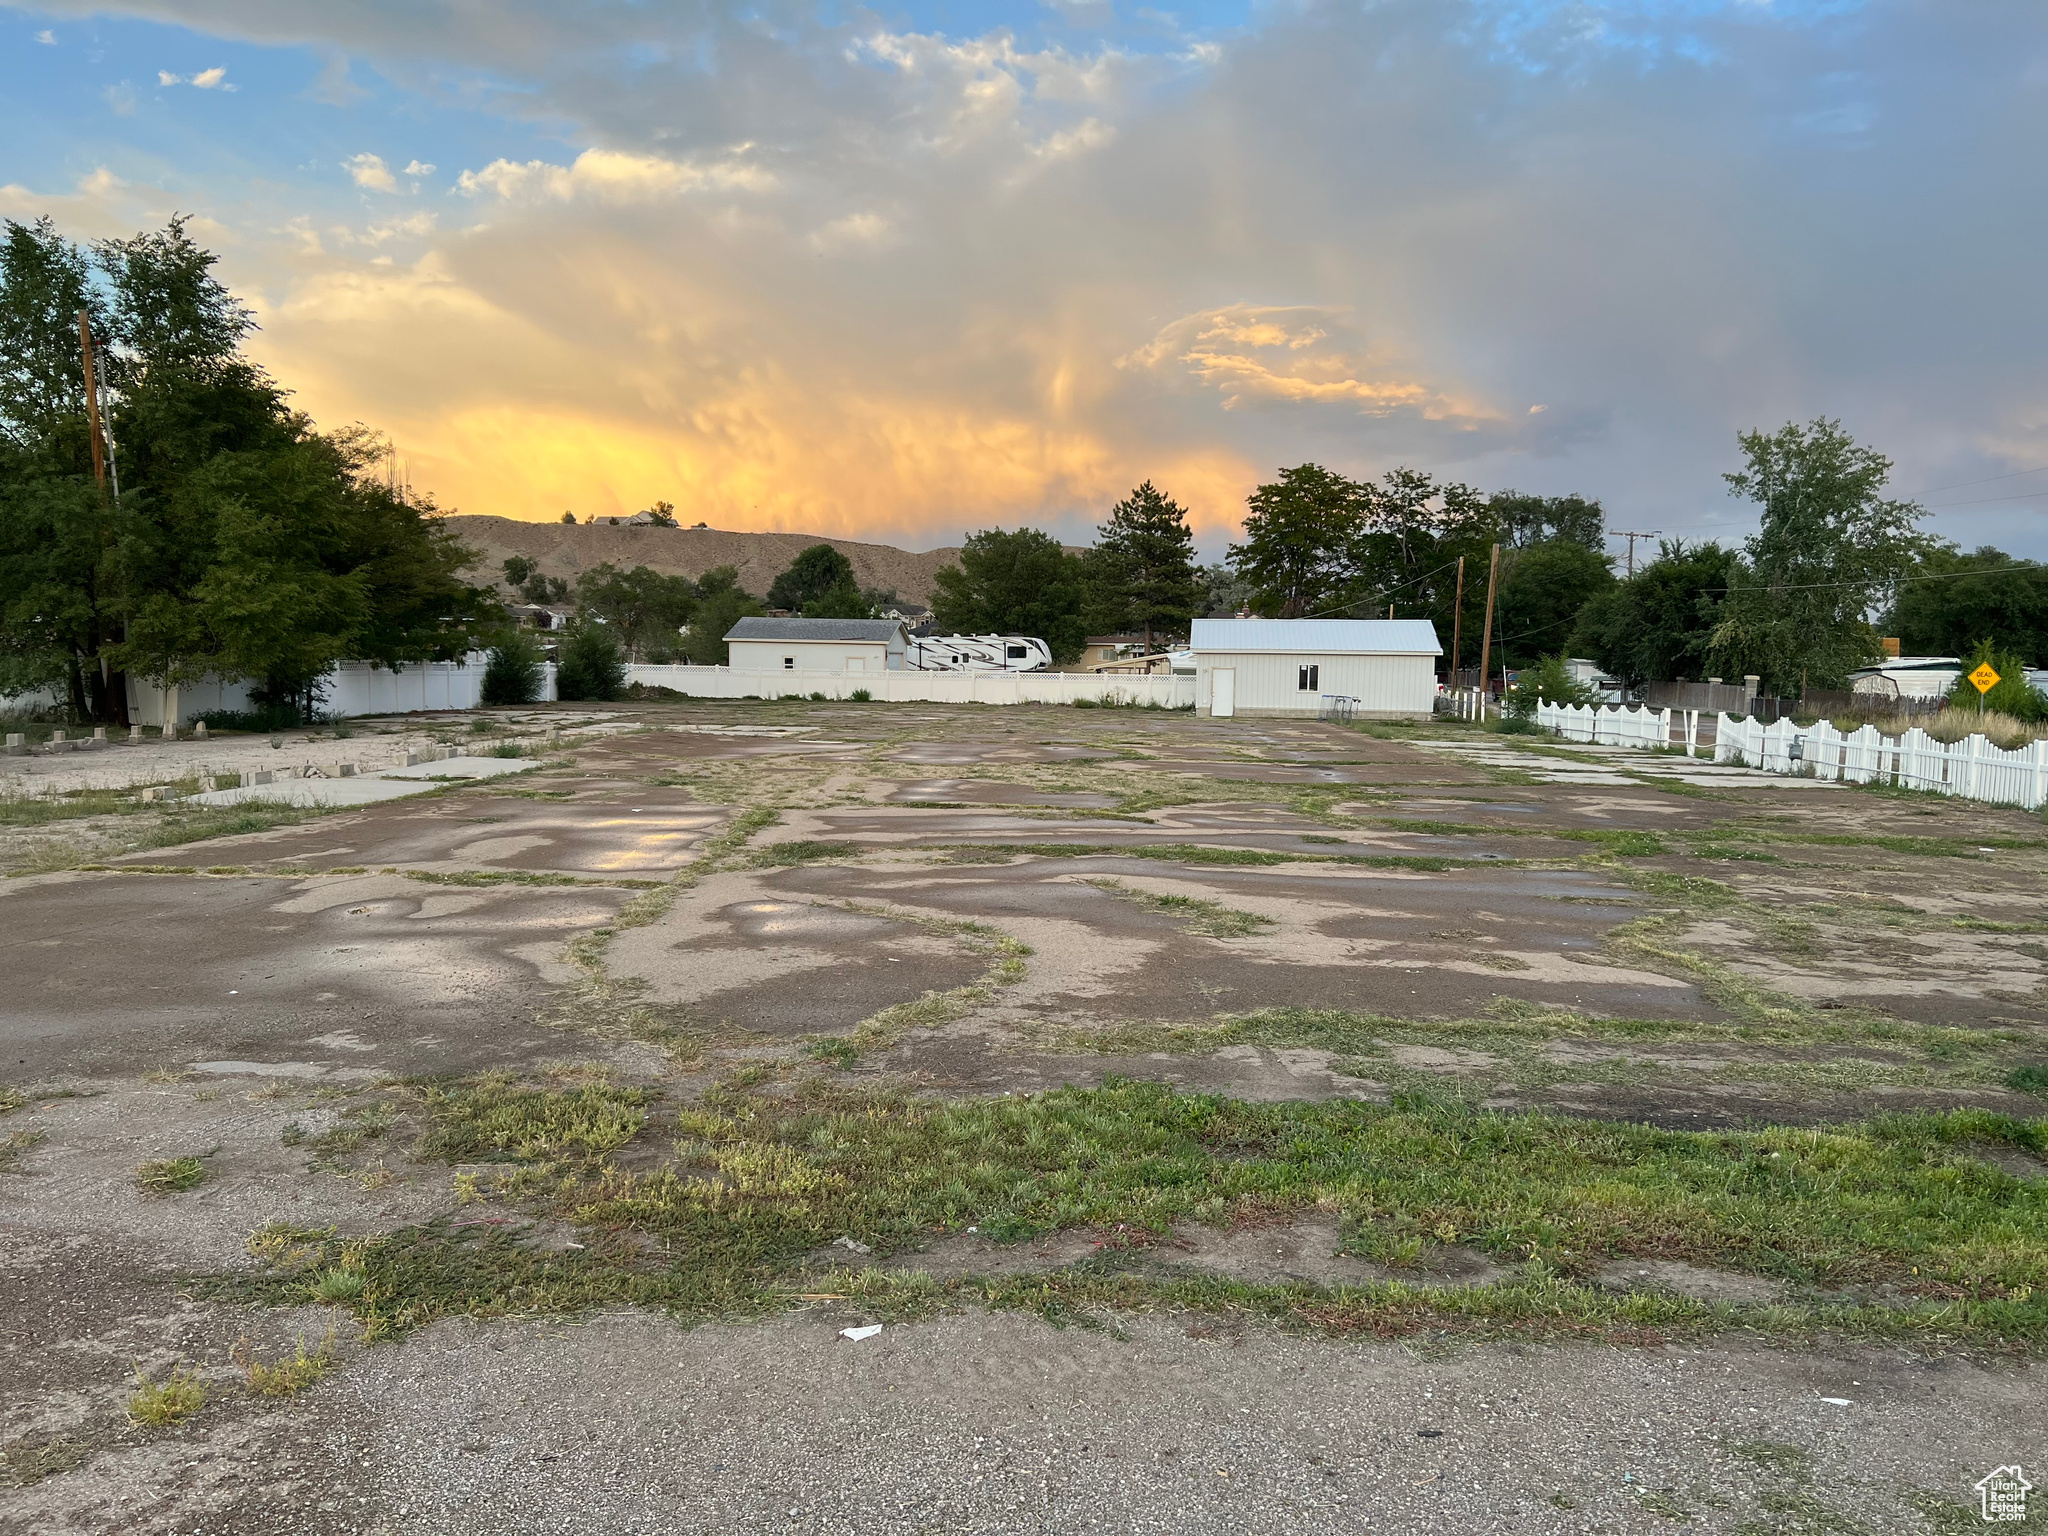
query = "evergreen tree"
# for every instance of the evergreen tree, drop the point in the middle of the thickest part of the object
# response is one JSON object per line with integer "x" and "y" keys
{"x": 1142, "y": 573}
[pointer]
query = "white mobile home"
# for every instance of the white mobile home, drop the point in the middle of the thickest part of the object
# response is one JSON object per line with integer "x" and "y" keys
{"x": 1386, "y": 667}
{"x": 840, "y": 646}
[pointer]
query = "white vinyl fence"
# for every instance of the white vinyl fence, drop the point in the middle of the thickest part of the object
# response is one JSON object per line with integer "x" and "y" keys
{"x": 1970, "y": 769}
{"x": 352, "y": 688}
{"x": 912, "y": 687}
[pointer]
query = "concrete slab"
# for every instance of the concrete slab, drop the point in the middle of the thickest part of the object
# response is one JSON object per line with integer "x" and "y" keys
{"x": 369, "y": 789}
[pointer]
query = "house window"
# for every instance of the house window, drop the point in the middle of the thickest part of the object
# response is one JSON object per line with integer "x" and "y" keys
{"x": 1307, "y": 682}
{"x": 789, "y": 663}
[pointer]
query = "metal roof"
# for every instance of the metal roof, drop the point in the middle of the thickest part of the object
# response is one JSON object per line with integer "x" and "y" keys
{"x": 1318, "y": 637}
{"x": 816, "y": 629}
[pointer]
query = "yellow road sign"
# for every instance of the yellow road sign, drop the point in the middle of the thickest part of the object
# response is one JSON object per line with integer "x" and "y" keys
{"x": 1985, "y": 677}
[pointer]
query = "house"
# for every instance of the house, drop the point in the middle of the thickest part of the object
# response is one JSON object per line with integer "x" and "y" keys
{"x": 1609, "y": 689}
{"x": 1908, "y": 677}
{"x": 817, "y": 645}
{"x": 1386, "y": 667}
{"x": 1101, "y": 650}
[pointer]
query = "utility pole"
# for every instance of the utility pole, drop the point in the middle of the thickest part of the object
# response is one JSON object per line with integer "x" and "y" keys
{"x": 1632, "y": 536}
{"x": 1486, "y": 643}
{"x": 1457, "y": 620}
{"x": 92, "y": 403}
{"x": 113, "y": 684}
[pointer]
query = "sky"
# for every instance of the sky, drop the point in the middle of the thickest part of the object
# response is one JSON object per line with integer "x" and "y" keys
{"x": 906, "y": 271}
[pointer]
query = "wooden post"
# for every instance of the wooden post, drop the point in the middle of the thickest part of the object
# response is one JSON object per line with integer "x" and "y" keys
{"x": 92, "y": 403}
{"x": 1486, "y": 643}
{"x": 1457, "y": 620}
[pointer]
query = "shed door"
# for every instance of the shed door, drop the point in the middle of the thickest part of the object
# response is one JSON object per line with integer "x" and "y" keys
{"x": 1223, "y": 692}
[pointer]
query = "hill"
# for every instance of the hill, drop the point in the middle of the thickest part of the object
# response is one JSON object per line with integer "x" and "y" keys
{"x": 567, "y": 550}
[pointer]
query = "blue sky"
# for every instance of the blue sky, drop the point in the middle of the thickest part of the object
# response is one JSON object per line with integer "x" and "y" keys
{"x": 905, "y": 271}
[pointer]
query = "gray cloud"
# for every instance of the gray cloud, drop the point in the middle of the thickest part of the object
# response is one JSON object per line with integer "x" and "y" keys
{"x": 1007, "y": 283}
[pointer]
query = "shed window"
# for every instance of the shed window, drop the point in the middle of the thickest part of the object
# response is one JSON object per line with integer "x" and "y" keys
{"x": 1307, "y": 678}
{"x": 789, "y": 663}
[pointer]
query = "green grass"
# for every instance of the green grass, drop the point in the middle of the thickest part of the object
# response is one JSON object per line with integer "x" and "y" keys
{"x": 1902, "y": 1203}
{"x": 803, "y": 851}
{"x": 1194, "y": 853}
{"x": 496, "y": 1119}
{"x": 1211, "y": 919}
{"x": 170, "y": 1175}
{"x": 2032, "y": 1078}
{"x": 162, "y": 1404}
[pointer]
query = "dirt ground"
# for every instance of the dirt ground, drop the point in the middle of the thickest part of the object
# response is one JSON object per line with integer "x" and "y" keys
{"x": 970, "y": 903}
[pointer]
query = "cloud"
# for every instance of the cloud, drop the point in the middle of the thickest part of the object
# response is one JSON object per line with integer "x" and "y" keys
{"x": 369, "y": 171}
{"x": 610, "y": 176}
{"x": 848, "y": 276}
{"x": 47, "y": 38}
{"x": 1299, "y": 355}
{"x": 418, "y": 168}
{"x": 120, "y": 99}
{"x": 215, "y": 79}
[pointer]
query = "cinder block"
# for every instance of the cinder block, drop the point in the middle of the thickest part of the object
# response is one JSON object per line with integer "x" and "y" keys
{"x": 17, "y": 743}
{"x": 135, "y": 733}
{"x": 170, "y": 730}
{"x": 99, "y": 733}
{"x": 258, "y": 776}
{"x": 199, "y": 731}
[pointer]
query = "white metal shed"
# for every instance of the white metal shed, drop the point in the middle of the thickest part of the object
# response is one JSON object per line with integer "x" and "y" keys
{"x": 1387, "y": 667}
{"x": 840, "y": 646}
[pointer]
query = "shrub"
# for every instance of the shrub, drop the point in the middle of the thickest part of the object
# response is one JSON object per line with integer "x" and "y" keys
{"x": 513, "y": 673}
{"x": 2011, "y": 695}
{"x": 1549, "y": 680}
{"x": 592, "y": 666}
{"x": 860, "y": 696}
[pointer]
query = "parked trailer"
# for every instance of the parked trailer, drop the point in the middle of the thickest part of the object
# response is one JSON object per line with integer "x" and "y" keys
{"x": 978, "y": 653}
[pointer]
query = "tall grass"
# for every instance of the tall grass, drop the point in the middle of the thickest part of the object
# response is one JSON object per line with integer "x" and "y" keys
{"x": 1951, "y": 725}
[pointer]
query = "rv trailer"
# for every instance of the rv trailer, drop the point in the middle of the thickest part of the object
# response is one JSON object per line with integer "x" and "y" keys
{"x": 978, "y": 653}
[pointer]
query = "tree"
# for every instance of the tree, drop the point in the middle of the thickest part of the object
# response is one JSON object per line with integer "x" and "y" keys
{"x": 592, "y": 666}
{"x": 1829, "y": 551}
{"x": 512, "y": 673}
{"x": 1542, "y": 591}
{"x": 1524, "y": 519}
{"x": 1301, "y": 541}
{"x": 1141, "y": 573}
{"x": 1407, "y": 555}
{"x": 569, "y": 517}
{"x": 244, "y": 543}
{"x": 44, "y": 282}
{"x": 641, "y": 606}
{"x": 812, "y": 574}
{"x": 1658, "y": 626}
{"x": 1952, "y": 601}
{"x": 1224, "y": 592}
{"x": 1020, "y": 583}
{"x": 663, "y": 513}
{"x": 720, "y": 605}
{"x": 517, "y": 569}
{"x": 845, "y": 601}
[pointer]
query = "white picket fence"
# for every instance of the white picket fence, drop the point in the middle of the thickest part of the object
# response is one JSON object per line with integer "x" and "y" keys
{"x": 912, "y": 687}
{"x": 1970, "y": 769}
{"x": 1608, "y": 725}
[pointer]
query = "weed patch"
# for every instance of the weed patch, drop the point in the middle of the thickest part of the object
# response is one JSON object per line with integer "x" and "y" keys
{"x": 170, "y": 1175}
{"x": 162, "y": 1404}
{"x": 1211, "y": 919}
{"x": 290, "y": 1374}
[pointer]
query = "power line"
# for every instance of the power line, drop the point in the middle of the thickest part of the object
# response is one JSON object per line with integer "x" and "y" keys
{"x": 1979, "y": 501}
{"x": 1961, "y": 485}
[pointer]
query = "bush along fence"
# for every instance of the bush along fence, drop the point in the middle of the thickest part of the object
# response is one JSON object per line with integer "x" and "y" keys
{"x": 911, "y": 687}
{"x": 1970, "y": 769}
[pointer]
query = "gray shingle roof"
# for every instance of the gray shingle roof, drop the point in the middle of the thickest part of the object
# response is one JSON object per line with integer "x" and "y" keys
{"x": 1309, "y": 637}
{"x": 815, "y": 629}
